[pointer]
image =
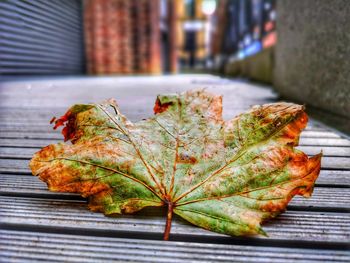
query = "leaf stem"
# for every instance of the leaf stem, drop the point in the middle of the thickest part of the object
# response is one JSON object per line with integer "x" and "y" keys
{"x": 168, "y": 221}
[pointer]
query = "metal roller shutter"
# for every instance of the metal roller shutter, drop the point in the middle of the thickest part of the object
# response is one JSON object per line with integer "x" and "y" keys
{"x": 41, "y": 37}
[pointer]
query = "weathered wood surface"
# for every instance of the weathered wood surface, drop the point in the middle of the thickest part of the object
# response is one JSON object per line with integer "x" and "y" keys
{"x": 36, "y": 224}
{"x": 323, "y": 197}
{"x": 20, "y": 245}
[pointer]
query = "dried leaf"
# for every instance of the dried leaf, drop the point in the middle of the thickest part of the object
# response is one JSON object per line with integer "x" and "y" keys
{"x": 226, "y": 177}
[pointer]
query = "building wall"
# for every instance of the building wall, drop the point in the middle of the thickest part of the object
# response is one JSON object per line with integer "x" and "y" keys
{"x": 122, "y": 36}
{"x": 312, "y": 56}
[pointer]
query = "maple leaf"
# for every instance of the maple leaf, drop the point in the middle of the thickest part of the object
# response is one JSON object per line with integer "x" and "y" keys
{"x": 226, "y": 177}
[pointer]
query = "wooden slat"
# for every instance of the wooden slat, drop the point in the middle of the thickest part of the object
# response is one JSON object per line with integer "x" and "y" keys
{"x": 26, "y": 153}
{"x": 319, "y": 134}
{"x": 44, "y": 128}
{"x": 327, "y": 142}
{"x": 17, "y": 153}
{"x": 327, "y": 178}
{"x": 63, "y": 214}
{"x": 134, "y": 112}
{"x": 31, "y": 135}
{"x": 327, "y": 151}
{"x": 19, "y": 246}
{"x": 327, "y": 163}
{"x": 335, "y": 163}
{"x": 29, "y": 185}
{"x": 325, "y": 198}
{"x": 324, "y": 142}
{"x": 322, "y": 198}
{"x": 334, "y": 177}
{"x": 58, "y": 135}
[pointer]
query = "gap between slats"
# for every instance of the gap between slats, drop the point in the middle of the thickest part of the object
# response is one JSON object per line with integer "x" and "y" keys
{"x": 110, "y": 248}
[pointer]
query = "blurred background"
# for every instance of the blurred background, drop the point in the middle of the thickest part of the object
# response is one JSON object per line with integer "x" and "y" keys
{"x": 131, "y": 36}
{"x": 301, "y": 48}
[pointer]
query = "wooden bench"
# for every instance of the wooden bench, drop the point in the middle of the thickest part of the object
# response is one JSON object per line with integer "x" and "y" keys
{"x": 36, "y": 224}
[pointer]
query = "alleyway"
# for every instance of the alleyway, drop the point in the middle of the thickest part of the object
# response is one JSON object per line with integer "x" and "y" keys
{"x": 43, "y": 217}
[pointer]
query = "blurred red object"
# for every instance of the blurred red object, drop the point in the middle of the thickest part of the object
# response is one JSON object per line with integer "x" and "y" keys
{"x": 122, "y": 36}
